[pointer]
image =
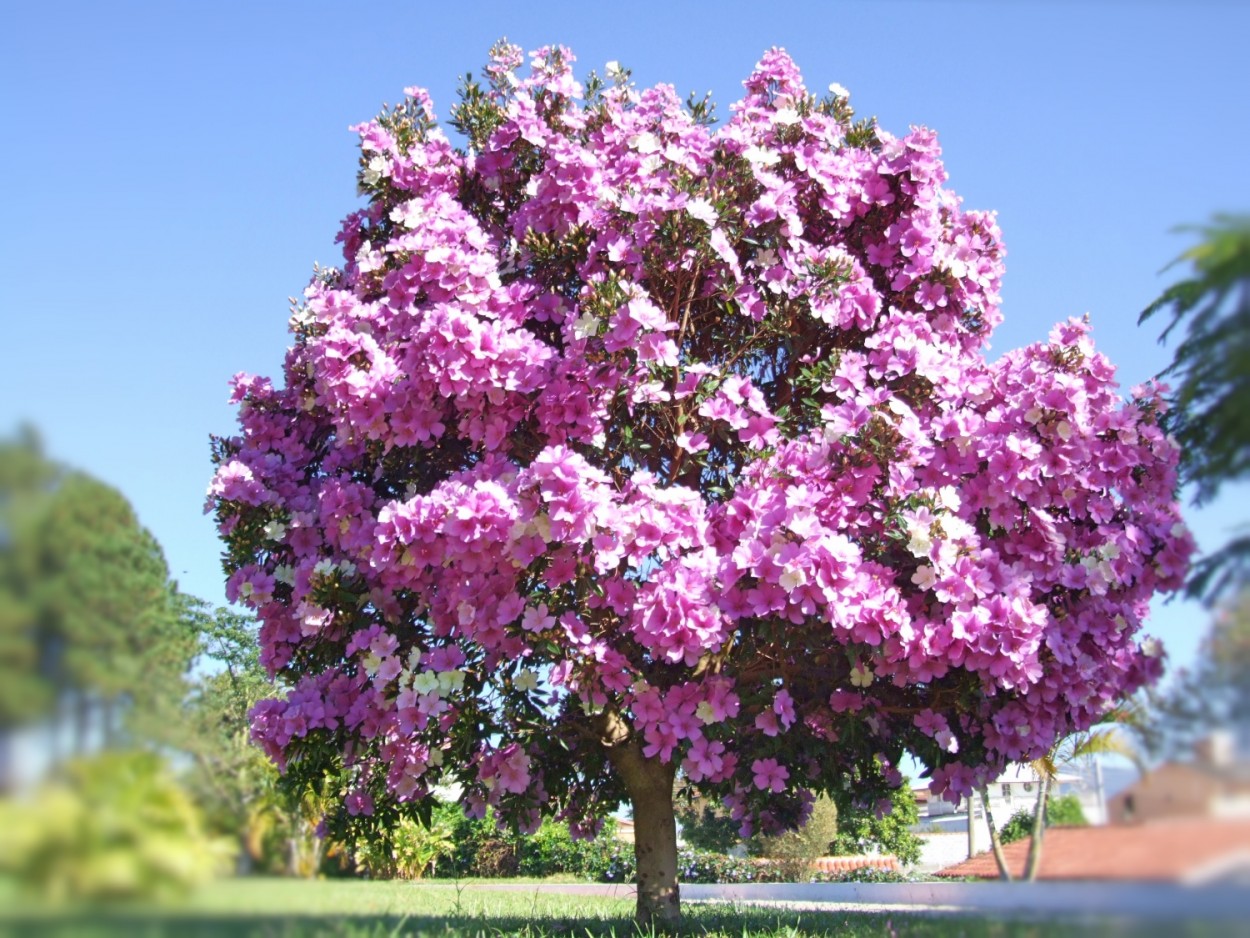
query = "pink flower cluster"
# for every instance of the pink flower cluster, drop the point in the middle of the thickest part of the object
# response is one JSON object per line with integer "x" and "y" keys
{"x": 616, "y": 430}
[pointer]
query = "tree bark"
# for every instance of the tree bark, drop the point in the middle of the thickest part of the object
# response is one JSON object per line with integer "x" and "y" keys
{"x": 650, "y": 786}
{"x": 82, "y": 712}
{"x": 105, "y": 714}
{"x": 1004, "y": 871}
{"x": 1034, "y": 863}
{"x": 8, "y": 774}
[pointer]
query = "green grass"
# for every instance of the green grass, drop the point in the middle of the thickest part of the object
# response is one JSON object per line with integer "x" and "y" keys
{"x": 280, "y": 908}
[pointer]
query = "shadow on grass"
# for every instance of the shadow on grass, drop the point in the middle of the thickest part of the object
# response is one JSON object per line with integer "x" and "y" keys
{"x": 703, "y": 921}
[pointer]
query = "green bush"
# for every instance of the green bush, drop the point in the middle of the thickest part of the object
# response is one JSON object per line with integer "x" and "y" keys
{"x": 1018, "y": 826}
{"x": 482, "y": 850}
{"x": 700, "y": 866}
{"x": 408, "y": 850}
{"x": 115, "y": 826}
{"x": 1064, "y": 810}
{"x": 552, "y": 850}
{"x": 810, "y": 841}
{"x": 619, "y": 866}
{"x": 706, "y": 825}
{"x": 837, "y": 826}
{"x": 705, "y": 866}
{"x": 861, "y": 831}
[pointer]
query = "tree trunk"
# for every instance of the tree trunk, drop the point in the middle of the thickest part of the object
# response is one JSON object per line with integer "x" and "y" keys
{"x": 8, "y": 775}
{"x": 650, "y": 786}
{"x": 1034, "y": 863}
{"x": 655, "y": 854}
{"x": 972, "y": 828}
{"x": 244, "y": 864}
{"x": 82, "y": 712}
{"x": 1004, "y": 872}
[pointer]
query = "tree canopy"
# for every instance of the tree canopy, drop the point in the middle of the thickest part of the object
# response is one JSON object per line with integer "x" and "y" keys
{"x": 623, "y": 444}
{"x": 1212, "y": 695}
{"x": 1211, "y": 368}
{"x": 88, "y": 610}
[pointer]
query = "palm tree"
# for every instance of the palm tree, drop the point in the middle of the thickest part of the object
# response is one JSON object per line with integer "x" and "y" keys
{"x": 996, "y": 844}
{"x": 1108, "y": 737}
{"x": 1211, "y": 375}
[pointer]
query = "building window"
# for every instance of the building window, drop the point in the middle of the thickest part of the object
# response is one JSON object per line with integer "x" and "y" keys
{"x": 1006, "y": 792}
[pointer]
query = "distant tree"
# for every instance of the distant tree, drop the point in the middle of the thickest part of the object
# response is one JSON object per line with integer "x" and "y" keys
{"x": 230, "y": 777}
{"x": 27, "y": 480}
{"x": 1213, "y": 693}
{"x": 91, "y": 624}
{"x": 1211, "y": 369}
{"x": 1066, "y": 811}
{"x": 1222, "y": 676}
{"x": 241, "y": 791}
{"x": 107, "y": 617}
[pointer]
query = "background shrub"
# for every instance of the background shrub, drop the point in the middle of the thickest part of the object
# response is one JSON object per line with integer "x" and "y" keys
{"x": 814, "y": 839}
{"x": 551, "y": 850}
{"x": 868, "y": 874}
{"x": 1018, "y": 826}
{"x": 861, "y": 831}
{"x": 706, "y": 825}
{"x": 114, "y": 826}
{"x": 1064, "y": 810}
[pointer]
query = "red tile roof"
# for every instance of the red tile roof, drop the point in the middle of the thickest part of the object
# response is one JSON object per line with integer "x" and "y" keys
{"x": 1174, "y": 850}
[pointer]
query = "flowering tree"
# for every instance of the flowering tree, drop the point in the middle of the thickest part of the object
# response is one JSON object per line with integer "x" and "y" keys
{"x": 622, "y": 446}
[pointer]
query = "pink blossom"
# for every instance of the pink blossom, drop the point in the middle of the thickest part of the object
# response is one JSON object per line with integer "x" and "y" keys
{"x": 537, "y": 619}
{"x": 667, "y": 414}
{"x": 768, "y": 775}
{"x": 514, "y": 771}
{"x": 704, "y": 760}
{"x": 359, "y": 802}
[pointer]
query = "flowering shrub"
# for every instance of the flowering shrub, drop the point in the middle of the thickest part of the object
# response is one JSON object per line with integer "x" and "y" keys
{"x": 869, "y": 874}
{"x": 620, "y": 444}
{"x": 705, "y": 866}
{"x": 619, "y": 867}
{"x": 699, "y": 866}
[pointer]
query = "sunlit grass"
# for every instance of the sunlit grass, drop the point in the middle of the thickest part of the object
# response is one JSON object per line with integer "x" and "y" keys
{"x": 284, "y": 908}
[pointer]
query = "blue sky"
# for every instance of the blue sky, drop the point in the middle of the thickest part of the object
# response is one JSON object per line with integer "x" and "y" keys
{"x": 171, "y": 171}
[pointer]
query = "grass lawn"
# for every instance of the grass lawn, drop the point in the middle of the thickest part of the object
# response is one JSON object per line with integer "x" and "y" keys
{"x": 283, "y": 908}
